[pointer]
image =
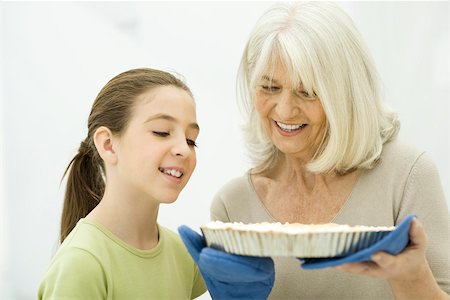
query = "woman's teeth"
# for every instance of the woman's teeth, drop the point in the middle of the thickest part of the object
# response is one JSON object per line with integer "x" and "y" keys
{"x": 171, "y": 172}
{"x": 290, "y": 127}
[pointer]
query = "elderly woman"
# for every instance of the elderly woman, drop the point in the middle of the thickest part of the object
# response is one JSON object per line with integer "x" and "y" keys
{"x": 324, "y": 149}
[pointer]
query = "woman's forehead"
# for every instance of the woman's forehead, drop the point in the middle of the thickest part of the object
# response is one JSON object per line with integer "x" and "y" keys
{"x": 280, "y": 74}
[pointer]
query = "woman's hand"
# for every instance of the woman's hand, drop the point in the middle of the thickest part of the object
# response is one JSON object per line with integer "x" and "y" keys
{"x": 408, "y": 265}
{"x": 408, "y": 273}
{"x": 229, "y": 276}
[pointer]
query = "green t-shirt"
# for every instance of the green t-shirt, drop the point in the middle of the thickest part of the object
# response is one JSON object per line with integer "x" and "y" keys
{"x": 92, "y": 263}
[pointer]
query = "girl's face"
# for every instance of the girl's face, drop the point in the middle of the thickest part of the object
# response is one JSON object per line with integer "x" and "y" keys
{"x": 156, "y": 153}
{"x": 294, "y": 120}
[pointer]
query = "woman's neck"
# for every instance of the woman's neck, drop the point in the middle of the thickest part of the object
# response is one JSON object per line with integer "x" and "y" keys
{"x": 292, "y": 193}
{"x": 291, "y": 169}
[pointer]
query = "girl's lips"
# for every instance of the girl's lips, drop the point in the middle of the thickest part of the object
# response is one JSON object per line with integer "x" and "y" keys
{"x": 173, "y": 174}
{"x": 172, "y": 179}
{"x": 174, "y": 171}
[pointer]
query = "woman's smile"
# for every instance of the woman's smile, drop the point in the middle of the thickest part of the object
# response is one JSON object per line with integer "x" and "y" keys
{"x": 289, "y": 129}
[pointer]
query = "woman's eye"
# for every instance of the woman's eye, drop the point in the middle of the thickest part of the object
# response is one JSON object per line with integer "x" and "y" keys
{"x": 191, "y": 143}
{"x": 161, "y": 133}
{"x": 270, "y": 88}
{"x": 307, "y": 95}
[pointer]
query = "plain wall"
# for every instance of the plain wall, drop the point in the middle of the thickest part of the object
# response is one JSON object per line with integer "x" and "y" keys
{"x": 55, "y": 57}
{"x": 3, "y": 224}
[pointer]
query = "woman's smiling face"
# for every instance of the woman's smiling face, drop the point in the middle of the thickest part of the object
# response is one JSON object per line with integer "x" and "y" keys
{"x": 156, "y": 153}
{"x": 294, "y": 120}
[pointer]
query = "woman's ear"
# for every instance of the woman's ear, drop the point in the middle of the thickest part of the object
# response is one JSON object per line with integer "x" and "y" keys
{"x": 104, "y": 142}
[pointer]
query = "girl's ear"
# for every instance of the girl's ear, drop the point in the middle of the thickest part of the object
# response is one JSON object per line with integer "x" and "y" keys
{"x": 103, "y": 140}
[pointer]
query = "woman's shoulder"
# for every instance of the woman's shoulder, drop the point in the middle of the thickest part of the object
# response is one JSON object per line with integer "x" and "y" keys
{"x": 399, "y": 159}
{"x": 237, "y": 186}
{"x": 397, "y": 154}
{"x": 237, "y": 201}
{"x": 397, "y": 148}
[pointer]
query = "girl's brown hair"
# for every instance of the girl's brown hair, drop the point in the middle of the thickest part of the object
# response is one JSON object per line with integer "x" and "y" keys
{"x": 112, "y": 108}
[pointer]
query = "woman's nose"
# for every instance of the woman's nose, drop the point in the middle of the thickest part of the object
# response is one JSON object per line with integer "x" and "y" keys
{"x": 287, "y": 106}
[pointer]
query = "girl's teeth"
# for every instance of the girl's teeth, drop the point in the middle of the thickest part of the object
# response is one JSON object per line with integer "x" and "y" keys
{"x": 170, "y": 172}
{"x": 175, "y": 173}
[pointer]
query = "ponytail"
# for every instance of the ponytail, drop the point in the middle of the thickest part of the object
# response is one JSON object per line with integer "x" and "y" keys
{"x": 85, "y": 186}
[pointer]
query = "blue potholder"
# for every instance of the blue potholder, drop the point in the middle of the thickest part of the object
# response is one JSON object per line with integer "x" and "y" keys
{"x": 393, "y": 243}
{"x": 226, "y": 275}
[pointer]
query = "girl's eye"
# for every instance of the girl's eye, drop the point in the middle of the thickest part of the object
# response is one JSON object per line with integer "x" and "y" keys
{"x": 191, "y": 143}
{"x": 161, "y": 133}
{"x": 270, "y": 88}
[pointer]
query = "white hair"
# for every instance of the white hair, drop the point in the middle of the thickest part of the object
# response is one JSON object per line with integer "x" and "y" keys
{"x": 324, "y": 52}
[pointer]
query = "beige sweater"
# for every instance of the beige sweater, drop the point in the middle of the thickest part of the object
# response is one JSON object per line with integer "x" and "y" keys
{"x": 405, "y": 181}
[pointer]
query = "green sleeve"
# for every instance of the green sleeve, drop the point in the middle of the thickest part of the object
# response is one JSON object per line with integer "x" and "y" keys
{"x": 74, "y": 274}
{"x": 199, "y": 284}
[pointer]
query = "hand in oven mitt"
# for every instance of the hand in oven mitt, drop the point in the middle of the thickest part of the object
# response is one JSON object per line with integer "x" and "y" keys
{"x": 229, "y": 276}
{"x": 393, "y": 243}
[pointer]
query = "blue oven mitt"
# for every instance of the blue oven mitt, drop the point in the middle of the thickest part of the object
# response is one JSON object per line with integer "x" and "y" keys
{"x": 393, "y": 243}
{"x": 229, "y": 276}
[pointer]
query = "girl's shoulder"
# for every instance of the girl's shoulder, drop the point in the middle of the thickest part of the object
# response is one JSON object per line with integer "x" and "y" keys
{"x": 74, "y": 265}
{"x": 169, "y": 236}
{"x": 87, "y": 235}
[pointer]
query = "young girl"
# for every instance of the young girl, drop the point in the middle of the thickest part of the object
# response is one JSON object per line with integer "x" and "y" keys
{"x": 139, "y": 153}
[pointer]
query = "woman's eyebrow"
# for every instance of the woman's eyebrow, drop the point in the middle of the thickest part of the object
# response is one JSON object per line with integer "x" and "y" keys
{"x": 170, "y": 119}
{"x": 266, "y": 77}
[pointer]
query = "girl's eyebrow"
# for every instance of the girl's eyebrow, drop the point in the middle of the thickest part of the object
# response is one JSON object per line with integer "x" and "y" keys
{"x": 170, "y": 119}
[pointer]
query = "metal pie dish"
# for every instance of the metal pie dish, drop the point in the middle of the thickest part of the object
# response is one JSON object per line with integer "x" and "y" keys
{"x": 292, "y": 240}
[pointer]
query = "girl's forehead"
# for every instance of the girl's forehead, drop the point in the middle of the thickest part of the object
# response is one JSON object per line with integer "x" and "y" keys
{"x": 166, "y": 100}
{"x": 164, "y": 92}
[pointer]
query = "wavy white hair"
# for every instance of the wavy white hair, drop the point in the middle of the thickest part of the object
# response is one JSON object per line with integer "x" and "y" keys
{"x": 322, "y": 50}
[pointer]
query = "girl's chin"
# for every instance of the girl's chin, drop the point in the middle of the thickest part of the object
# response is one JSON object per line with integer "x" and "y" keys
{"x": 169, "y": 200}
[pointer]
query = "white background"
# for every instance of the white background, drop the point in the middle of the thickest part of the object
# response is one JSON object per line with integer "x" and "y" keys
{"x": 55, "y": 57}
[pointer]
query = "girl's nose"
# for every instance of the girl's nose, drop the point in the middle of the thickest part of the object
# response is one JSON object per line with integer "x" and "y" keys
{"x": 181, "y": 148}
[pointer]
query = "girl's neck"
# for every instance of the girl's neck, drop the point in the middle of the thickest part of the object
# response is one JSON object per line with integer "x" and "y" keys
{"x": 131, "y": 219}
